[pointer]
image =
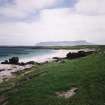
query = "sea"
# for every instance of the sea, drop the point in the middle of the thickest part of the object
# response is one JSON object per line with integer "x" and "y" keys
{"x": 22, "y": 53}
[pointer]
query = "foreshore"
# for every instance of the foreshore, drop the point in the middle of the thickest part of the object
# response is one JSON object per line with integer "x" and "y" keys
{"x": 49, "y": 57}
{"x": 7, "y": 70}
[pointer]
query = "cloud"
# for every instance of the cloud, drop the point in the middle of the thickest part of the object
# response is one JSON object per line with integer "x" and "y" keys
{"x": 35, "y": 4}
{"x": 56, "y": 24}
{"x": 84, "y": 21}
{"x": 90, "y": 7}
{"x": 12, "y": 12}
{"x": 6, "y": 2}
{"x": 21, "y": 8}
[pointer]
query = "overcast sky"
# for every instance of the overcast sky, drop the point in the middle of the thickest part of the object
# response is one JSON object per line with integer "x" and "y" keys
{"x": 26, "y": 22}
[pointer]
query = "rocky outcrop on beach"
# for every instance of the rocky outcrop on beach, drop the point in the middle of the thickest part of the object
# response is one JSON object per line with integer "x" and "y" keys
{"x": 13, "y": 60}
{"x": 12, "y": 66}
{"x": 78, "y": 54}
{"x": 73, "y": 55}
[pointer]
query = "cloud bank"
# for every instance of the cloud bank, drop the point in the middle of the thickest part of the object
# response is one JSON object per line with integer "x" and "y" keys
{"x": 26, "y": 22}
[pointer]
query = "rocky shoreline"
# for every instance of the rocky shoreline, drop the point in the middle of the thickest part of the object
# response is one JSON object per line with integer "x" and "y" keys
{"x": 12, "y": 66}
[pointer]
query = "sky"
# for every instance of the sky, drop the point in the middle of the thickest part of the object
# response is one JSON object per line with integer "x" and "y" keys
{"x": 26, "y": 22}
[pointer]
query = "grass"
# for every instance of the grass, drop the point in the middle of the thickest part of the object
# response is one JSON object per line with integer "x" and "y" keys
{"x": 87, "y": 74}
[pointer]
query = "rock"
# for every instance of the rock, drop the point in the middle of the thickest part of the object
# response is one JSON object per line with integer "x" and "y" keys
{"x": 31, "y": 62}
{"x": 22, "y": 64}
{"x": 57, "y": 59}
{"x": 72, "y": 55}
{"x": 67, "y": 94}
{"x": 81, "y": 53}
{"x": 2, "y": 70}
{"x": 78, "y": 54}
{"x": 14, "y": 60}
{"x": 5, "y": 62}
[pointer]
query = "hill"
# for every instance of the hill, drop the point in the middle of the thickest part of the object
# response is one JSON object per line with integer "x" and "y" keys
{"x": 64, "y": 43}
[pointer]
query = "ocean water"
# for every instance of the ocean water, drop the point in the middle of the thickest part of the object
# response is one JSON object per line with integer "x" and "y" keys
{"x": 22, "y": 53}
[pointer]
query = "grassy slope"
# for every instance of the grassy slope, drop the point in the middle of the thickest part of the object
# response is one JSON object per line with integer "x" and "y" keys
{"x": 88, "y": 74}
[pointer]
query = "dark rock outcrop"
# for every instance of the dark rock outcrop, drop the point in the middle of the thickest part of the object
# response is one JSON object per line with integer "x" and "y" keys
{"x": 14, "y": 60}
{"x": 22, "y": 64}
{"x": 78, "y": 54}
{"x": 30, "y": 62}
{"x": 5, "y": 62}
{"x": 58, "y": 59}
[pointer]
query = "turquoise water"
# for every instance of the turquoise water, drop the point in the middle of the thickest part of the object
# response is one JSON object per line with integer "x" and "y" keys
{"x": 6, "y": 52}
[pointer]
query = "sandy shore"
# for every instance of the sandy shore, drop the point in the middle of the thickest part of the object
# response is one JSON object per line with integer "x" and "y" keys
{"x": 7, "y": 70}
{"x": 57, "y": 53}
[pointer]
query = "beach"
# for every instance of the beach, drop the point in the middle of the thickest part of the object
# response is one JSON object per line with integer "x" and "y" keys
{"x": 56, "y": 73}
{"x": 49, "y": 57}
{"x": 7, "y": 70}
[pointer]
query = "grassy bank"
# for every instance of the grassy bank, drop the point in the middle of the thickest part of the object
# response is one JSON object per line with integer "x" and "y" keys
{"x": 40, "y": 85}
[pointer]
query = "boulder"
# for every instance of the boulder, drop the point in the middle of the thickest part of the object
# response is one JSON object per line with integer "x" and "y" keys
{"x": 72, "y": 55}
{"x": 14, "y": 60}
{"x": 5, "y": 62}
{"x": 81, "y": 53}
{"x": 78, "y": 54}
{"x": 22, "y": 64}
{"x": 30, "y": 62}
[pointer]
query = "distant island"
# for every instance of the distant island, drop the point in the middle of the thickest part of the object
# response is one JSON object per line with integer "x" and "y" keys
{"x": 49, "y": 44}
{"x": 64, "y": 43}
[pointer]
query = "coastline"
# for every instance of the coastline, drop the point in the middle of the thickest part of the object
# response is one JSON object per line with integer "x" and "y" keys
{"x": 49, "y": 57}
{"x": 7, "y": 70}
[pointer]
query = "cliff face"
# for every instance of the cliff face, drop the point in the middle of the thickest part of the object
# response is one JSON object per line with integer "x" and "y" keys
{"x": 64, "y": 43}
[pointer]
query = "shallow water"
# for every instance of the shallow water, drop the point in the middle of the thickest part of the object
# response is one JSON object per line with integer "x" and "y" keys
{"x": 7, "y": 52}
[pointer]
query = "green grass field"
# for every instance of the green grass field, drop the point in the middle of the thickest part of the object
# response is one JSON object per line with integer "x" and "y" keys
{"x": 87, "y": 74}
